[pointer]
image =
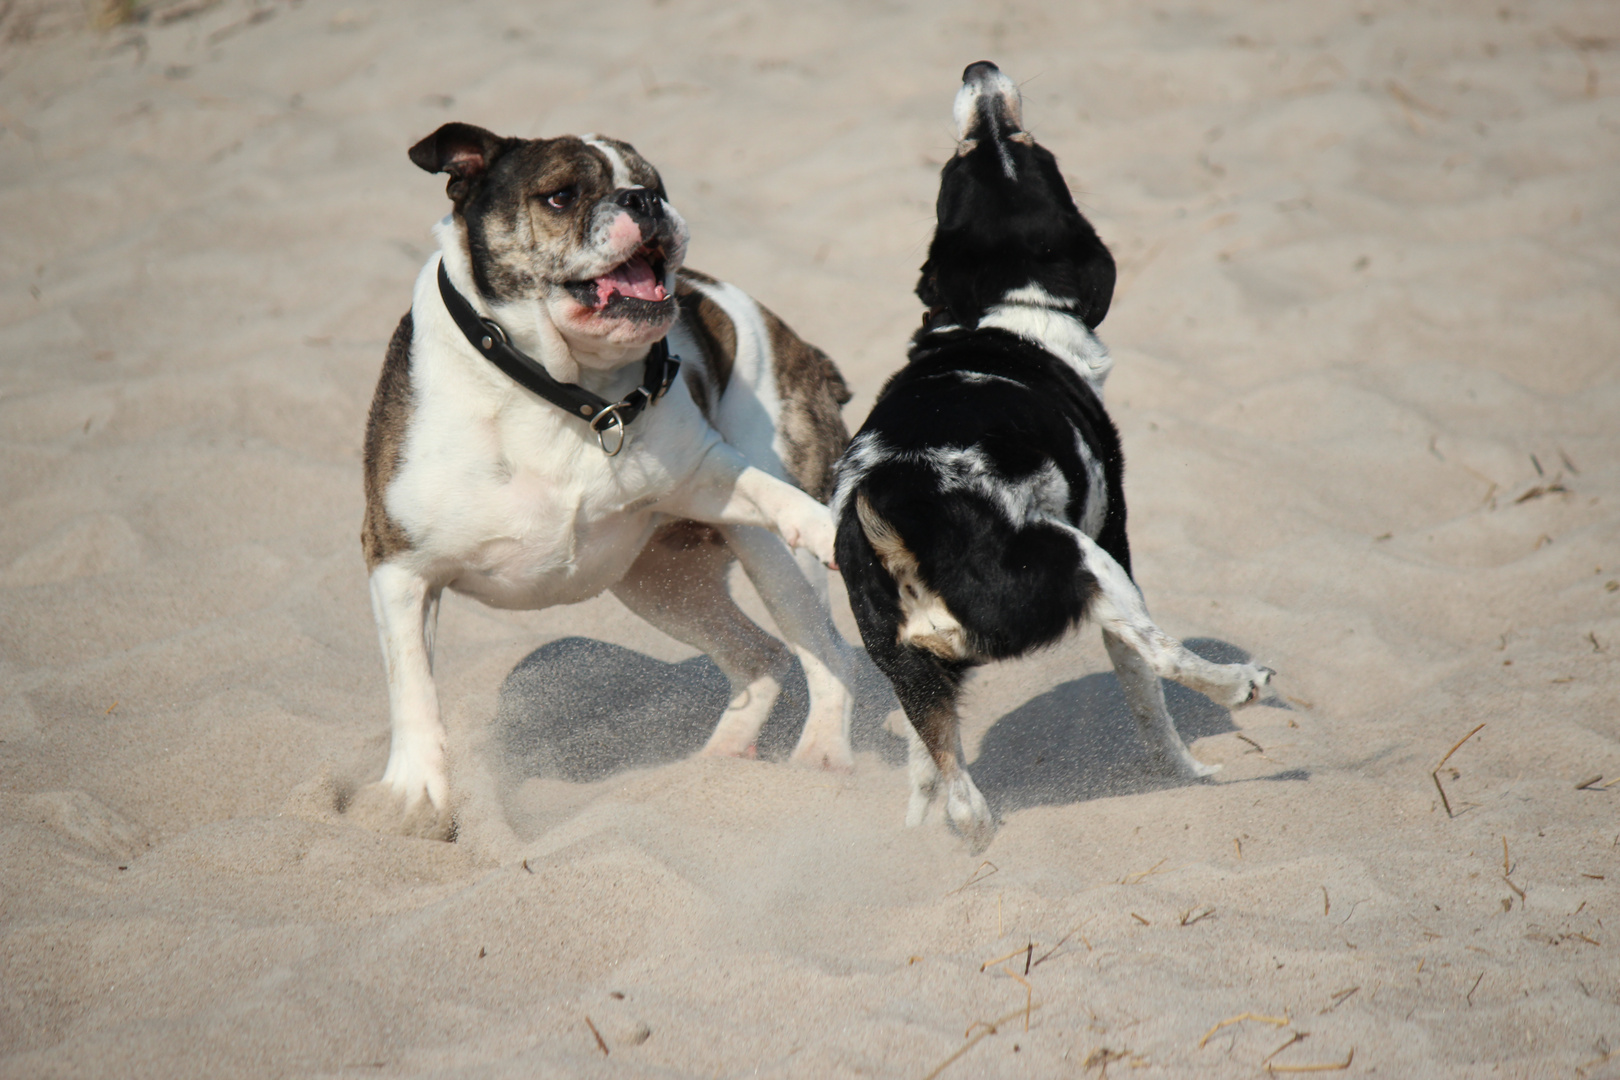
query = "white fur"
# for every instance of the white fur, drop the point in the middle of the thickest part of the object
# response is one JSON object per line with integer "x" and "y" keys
{"x": 747, "y": 415}
{"x": 510, "y": 500}
{"x": 749, "y": 420}
{"x": 1142, "y": 654}
{"x": 976, "y": 378}
{"x": 1036, "y": 294}
{"x": 1040, "y": 496}
{"x": 864, "y": 454}
{"x": 1095, "y": 511}
{"x": 966, "y": 109}
{"x": 621, "y": 172}
{"x": 1037, "y": 316}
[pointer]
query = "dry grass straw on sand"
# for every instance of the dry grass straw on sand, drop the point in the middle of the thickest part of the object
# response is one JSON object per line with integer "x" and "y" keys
{"x": 1581, "y": 1069}
{"x": 1274, "y": 1021}
{"x": 1328, "y": 1066}
{"x": 1342, "y": 996}
{"x": 988, "y": 1027}
{"x": 1026, "y": 949}
{"x": 1434, "y": 773}
{"x": 977, "y": 876}
{"x": 1047, "y": 955}
{"x": 1142, "y": 875}
{"x": 1298, "y": 1036}
{"x": 1190, "y": 919}
{"x": 601, "y": 1043}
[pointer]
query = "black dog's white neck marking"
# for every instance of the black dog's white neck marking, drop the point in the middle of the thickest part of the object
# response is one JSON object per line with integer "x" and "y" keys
{"x": 1048, "y": 321}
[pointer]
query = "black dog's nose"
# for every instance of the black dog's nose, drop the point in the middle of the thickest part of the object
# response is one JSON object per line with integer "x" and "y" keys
{"x": 640, "y": 201}
{"x": 978, "y": 70}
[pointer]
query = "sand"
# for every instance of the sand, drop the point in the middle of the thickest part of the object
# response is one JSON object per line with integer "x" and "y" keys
{"x": 1366, "y": 334}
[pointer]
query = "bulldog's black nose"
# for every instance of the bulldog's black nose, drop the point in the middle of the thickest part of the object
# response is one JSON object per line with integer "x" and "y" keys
{"x": 642, "y": 202}
{"x": 978, "y": 70}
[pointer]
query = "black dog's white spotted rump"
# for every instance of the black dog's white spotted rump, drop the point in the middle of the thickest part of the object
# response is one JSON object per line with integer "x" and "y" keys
{"x": 981, "y": 509}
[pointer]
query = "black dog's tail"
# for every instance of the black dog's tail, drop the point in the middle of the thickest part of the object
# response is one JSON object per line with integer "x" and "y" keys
{"x": 926, "y": 619}
{"x": 963, "y": 583}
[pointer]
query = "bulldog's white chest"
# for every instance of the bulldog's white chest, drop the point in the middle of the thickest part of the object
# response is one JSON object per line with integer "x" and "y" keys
{"x": 508, "y": 499}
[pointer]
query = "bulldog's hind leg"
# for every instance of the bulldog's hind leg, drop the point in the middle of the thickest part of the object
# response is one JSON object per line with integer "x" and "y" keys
{"x": 801, "y": 614}
{"x": 1142, "y": 654}
{"x": 678, "y": 584}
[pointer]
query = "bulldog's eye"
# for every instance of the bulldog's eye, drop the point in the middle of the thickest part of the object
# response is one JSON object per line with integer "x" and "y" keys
{"x": 561, "y": 199}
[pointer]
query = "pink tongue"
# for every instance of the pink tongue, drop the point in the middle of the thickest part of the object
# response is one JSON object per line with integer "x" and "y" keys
{"x": 635, "y": 278}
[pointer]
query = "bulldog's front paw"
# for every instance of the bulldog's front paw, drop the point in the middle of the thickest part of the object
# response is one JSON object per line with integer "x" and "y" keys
{"x": 809, "y": 525}
{"x": 1252, "y": 684}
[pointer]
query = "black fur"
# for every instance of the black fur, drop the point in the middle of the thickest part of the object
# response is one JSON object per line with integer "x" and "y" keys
{"x": 995, "y": 234}
{"x": 1012, "y": 589}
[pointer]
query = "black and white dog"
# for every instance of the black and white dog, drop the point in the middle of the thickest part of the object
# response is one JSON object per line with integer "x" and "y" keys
{"x": 981, "y": 509}
{"x": 531, "y": 443}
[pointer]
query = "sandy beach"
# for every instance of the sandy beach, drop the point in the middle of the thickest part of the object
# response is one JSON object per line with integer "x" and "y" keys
{"x": 1367, "y": 343}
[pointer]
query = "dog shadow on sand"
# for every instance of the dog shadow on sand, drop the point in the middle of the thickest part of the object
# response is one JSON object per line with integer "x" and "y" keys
{"x": 1078, "y": 740}
{"x": 579, "y": 709}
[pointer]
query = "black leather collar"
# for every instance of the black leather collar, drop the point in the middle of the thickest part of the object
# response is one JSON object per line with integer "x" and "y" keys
{"x": 605, "y": 417}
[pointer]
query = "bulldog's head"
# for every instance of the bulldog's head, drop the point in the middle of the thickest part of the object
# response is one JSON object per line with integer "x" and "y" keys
{"x": 580, "y": 226}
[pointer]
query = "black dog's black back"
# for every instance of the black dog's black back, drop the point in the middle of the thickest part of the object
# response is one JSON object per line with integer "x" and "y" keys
{"x": 993, "y": 402}
{"x": 1003, "y": 409}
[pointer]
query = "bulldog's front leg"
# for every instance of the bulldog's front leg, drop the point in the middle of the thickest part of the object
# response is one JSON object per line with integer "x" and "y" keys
{"x": 413, "y": 796}
{"x": 725, "y": 490}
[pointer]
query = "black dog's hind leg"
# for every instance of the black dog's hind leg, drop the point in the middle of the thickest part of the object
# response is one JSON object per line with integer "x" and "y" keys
{"x": 926, "y": 683}
{"x": 928, "y": 688}
{"x": 1143, "y": 654}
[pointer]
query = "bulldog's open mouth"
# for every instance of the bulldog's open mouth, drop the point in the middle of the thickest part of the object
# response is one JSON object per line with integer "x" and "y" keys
{"x": 633, "y": 289}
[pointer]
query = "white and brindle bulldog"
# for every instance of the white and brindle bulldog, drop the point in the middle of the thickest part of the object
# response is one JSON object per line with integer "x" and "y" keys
{"x": 531, "y": 444}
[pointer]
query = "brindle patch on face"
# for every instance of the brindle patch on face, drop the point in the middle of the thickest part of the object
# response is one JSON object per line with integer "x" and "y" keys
{"x": 542, "y": 217}
{"x": 519, "y": 242}
{"x": 813, "y": 393}
{"x": 580, "y": 226}
{"x": 381, "y": 537}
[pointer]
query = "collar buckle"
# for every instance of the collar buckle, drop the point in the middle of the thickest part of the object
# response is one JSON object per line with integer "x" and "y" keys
{"x": 606, "y": 422}
{"x": 614, "y": 417}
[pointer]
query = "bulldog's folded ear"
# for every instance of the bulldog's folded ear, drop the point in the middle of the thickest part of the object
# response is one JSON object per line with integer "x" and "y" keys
{"x": 464, "y": 151}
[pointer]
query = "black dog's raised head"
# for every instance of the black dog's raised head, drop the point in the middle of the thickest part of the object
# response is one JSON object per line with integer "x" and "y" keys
{"x": 578, "y": 224}
{"x": 1006, "y": 220}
